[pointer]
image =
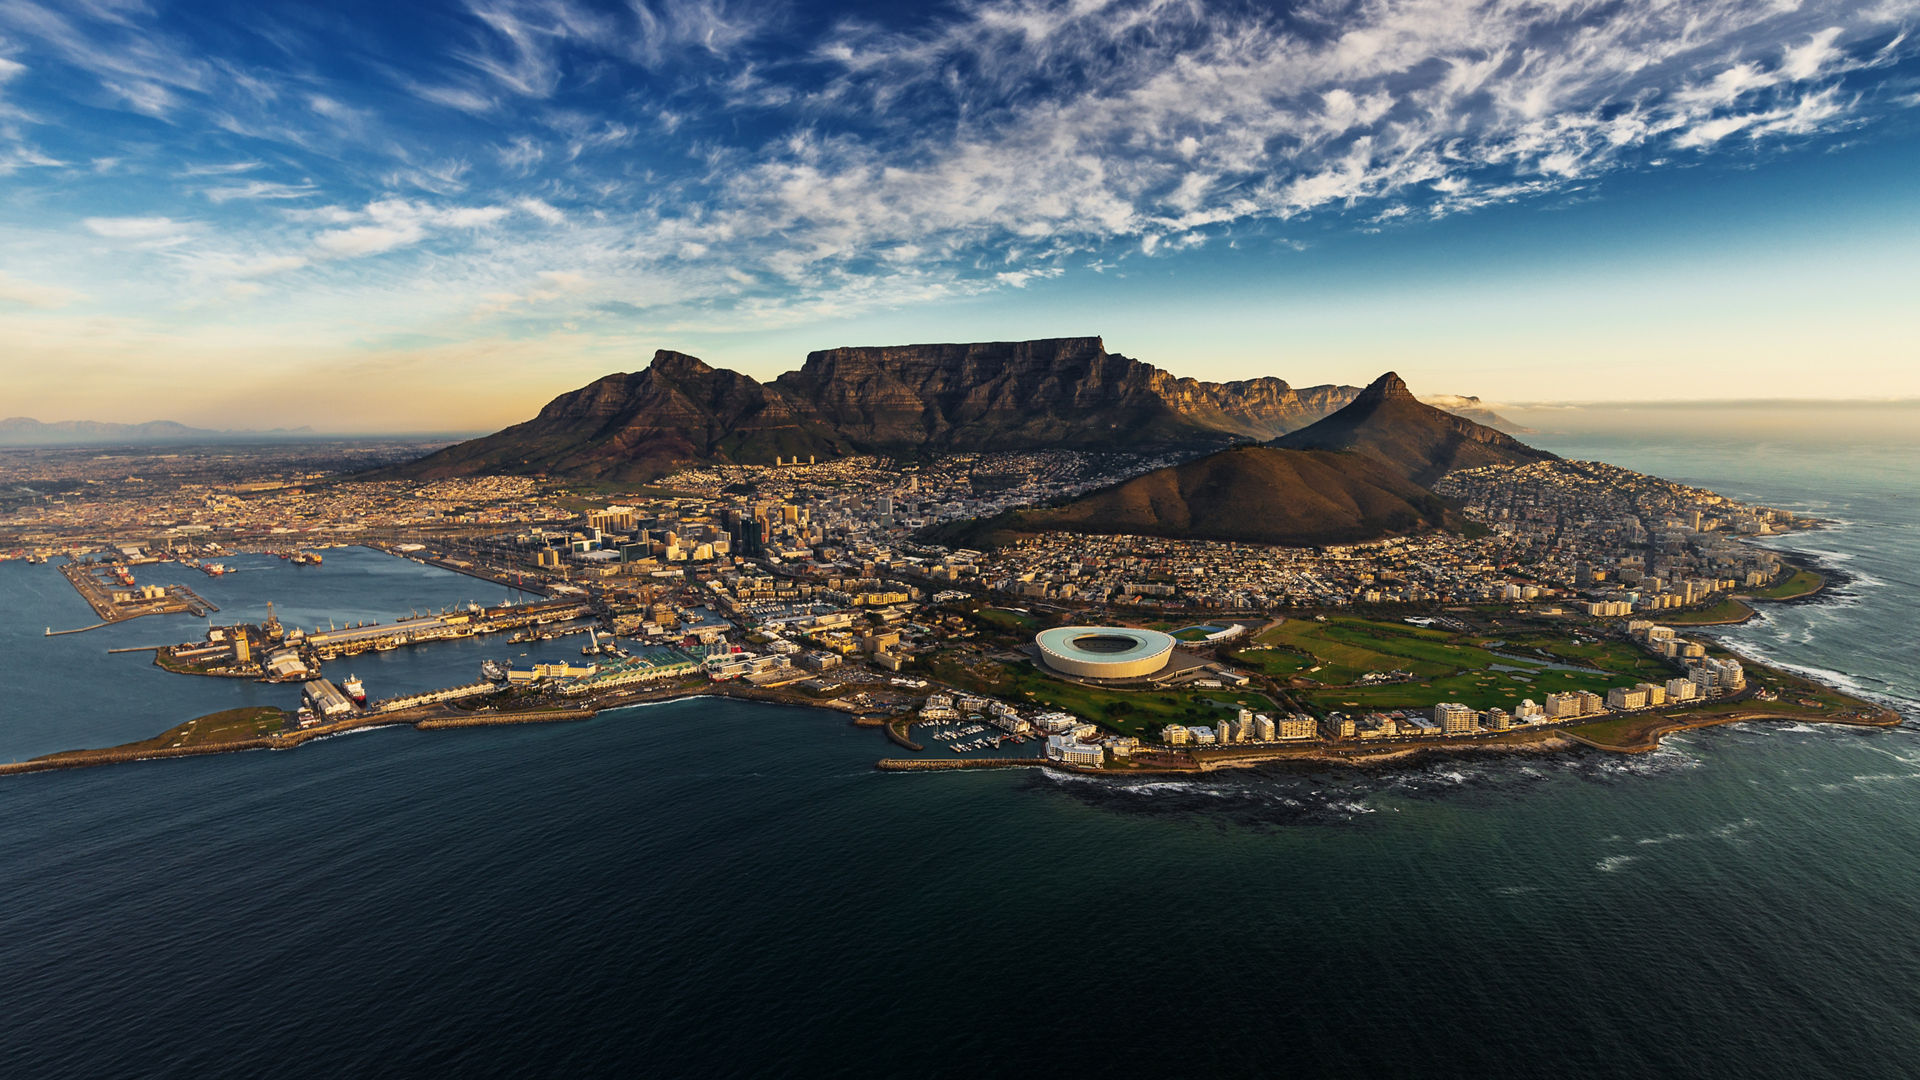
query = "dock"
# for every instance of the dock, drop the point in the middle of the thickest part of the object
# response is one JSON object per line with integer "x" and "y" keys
{"x": 100, "y": 595}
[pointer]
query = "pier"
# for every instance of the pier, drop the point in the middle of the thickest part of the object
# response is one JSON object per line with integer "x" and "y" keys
{"x": 118, "y": 604}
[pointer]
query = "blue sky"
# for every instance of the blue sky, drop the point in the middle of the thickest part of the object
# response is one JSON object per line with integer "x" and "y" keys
{"x": 436, "y": 215}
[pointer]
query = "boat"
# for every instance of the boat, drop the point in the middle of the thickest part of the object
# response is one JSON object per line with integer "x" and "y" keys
{"x": 491, "y": 671}
{"x": 355, "y": 689}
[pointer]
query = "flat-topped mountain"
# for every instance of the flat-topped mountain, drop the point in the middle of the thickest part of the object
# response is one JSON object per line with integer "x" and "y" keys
{"x": 1055, "y": 393}
{"x": 1006, "y": 395}
{"x": 1422, "y": 443}
{"x": 1051, "y": 393}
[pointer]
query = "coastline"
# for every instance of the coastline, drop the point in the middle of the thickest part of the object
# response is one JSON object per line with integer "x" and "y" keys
{"x": 443, "y": 718}
{"x": 1643, "y": 737}
{"x": 1885, "y": 718}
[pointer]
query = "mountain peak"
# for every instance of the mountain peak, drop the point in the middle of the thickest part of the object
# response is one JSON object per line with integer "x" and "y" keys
{"x": 1423, "y": 443}
{"x": 678, "y": 364}
{"x": 1385, "y": 388}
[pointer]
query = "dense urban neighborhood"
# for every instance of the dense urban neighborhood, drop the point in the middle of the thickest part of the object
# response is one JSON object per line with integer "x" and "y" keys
{"x": 1560, "y": 609}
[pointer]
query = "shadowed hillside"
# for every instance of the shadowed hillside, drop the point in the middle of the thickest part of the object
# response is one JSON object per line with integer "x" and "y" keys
{"x": 1250, "y": 493}
{"x": 1419, "y": 442}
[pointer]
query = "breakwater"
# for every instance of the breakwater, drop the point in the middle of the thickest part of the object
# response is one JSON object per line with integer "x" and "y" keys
{"x": 945, "y": 764}
{"x": 531, "y": 716}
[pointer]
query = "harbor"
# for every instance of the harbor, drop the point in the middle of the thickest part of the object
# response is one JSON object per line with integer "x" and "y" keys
{"x": 110, "y": 589}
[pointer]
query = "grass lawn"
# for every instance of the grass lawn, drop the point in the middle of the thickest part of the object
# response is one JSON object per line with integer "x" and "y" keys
{"x": 1617, "y": 657}
{"x": 1279, "y": 663}
{"x": 1447, "y": 666}
{"x": 1008, "y": 619}
{"x": 1140, "y": 713}
{"x": 1348, "y": 648}
{"x": 1482, "y": 689}
{"x": 230, "y": 725}
{"x": 1726, "y": 611}
{"x": 1621, "y": 731}
{"x": 1801, "y": 583}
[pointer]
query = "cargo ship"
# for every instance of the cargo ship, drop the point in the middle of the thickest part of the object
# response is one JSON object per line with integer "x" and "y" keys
{"x": 491, "y": 671}
{"x": 355, "y": 689}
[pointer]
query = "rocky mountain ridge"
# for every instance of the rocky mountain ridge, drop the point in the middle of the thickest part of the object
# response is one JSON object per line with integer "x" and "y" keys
{"x": 1024, "y": 395}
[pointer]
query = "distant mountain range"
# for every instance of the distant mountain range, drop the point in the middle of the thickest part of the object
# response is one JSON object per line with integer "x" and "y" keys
{"x": 24, "y": 431}
{"x": 1056, "y": 393}
{"x": 1358, "y": 474}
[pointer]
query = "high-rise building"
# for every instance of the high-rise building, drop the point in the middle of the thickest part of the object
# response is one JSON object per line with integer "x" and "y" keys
{"x": 1454, "y": 718}
{"x": 1298, "y": 726}
{"x": 1626, "y": 698}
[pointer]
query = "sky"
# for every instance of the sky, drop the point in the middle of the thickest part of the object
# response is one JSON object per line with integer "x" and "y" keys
{"x": 429, "y": 216}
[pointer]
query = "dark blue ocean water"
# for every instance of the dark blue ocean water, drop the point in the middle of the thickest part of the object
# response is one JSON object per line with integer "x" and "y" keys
{"x": 715, "y": 888}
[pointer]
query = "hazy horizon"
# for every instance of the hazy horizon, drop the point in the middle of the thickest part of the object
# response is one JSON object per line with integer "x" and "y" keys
{"x": 1896, "y": 421}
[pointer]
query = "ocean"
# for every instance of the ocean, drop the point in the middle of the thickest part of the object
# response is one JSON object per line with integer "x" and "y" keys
{"x": 718, "y": 888}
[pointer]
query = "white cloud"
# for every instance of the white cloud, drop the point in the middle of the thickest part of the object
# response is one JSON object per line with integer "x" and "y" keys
{"x": 396, "y": 223}
{"x": 454, "y": 97}
{"x": 268, "y": 265}
{"x": 136, "y": 228}
{"x": 984, "y": 145}
{"x": 543, "y": 210}
{"x": 259, "y": 189}
{"x": 33, "y": 294}
{"x": 368, "y": 239}
{"x": 1808, "y": 60}
{"x": 219, "y": 168}
{"x": 548, "y": 285}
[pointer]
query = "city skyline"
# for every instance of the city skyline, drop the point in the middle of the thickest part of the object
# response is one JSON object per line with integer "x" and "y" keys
{"x": 436, "y": 219}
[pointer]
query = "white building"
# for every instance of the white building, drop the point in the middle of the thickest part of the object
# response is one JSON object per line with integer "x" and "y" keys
{"x": 1070, "y": 751}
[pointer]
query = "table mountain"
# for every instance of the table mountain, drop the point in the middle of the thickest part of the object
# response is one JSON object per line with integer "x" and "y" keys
{"x": 1046, "y": 394}
{"x": 1007, "y": 395}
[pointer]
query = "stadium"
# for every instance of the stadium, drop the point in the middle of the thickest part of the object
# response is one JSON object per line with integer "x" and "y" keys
{"x": 1104, "y": 652}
